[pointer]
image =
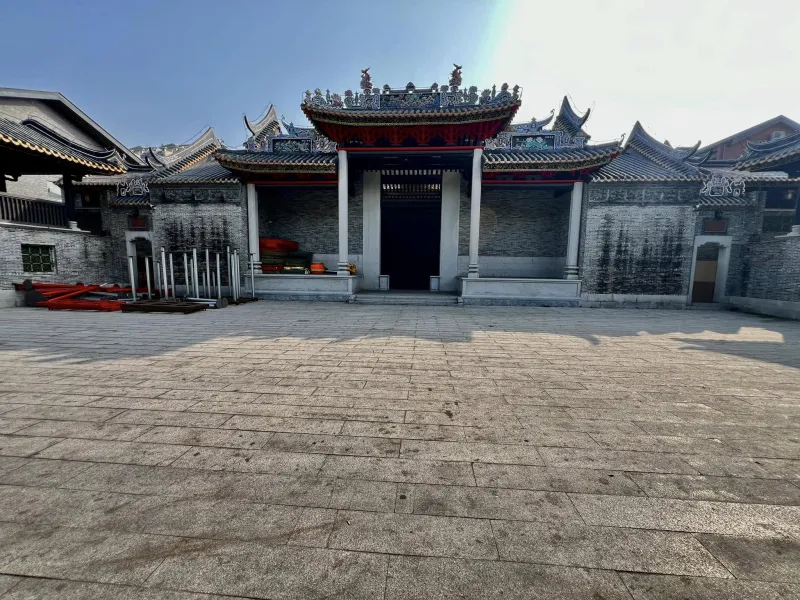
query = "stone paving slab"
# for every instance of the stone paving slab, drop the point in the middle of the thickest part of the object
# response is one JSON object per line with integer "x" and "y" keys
{"x": 323, "y": 450}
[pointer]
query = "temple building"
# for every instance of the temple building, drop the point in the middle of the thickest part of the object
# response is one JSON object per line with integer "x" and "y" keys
{"x": 441, "y": 189}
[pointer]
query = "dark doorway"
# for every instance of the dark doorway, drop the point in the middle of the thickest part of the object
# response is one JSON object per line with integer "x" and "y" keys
{"x": 705, "y": 273}
{"x": 144, "y": 252}
{"x": 410, "y": 234}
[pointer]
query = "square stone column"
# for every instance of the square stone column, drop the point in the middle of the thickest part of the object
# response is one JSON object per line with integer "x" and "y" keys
{"x": 371, "y": 261}
{"x": 475, "y": 212}
{"x": 252, "y": 227}
{"x": 448, "y": 248}
{"x": 342, "y": 267}
{"x": 576, "y": 202}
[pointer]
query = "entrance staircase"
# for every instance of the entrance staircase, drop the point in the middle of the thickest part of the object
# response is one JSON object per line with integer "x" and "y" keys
{"x": 407, "y": 298}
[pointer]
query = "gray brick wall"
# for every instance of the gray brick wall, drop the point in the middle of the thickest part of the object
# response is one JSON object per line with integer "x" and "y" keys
{"x": 79, "y": 256}
{"x": 744, "y": 226}
{"x": 771, "y": 270}
{"x": 517, "y": 223}
{"x": 310, "y": 216}
{"x": 638, "y": 239}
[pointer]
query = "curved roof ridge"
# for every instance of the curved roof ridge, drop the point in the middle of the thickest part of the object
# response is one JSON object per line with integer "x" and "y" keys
{"x": 768, "y": 146}
{"x": 569, "y": 120}
{"x": 659, "y": 152}
{"x": 208, "y": 137}
{"x": 265, "y": 126}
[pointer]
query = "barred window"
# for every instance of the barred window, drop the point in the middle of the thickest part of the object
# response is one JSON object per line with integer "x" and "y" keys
{"x": 38, "y": 259}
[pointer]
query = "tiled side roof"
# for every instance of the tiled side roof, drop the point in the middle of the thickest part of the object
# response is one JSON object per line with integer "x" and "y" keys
{"x": 209, "y": 171}
{"x": 562, "y": 159}
{"x": 770, "y": 154}
{"x": 258, "y": 162}
{"x": 726, "y": 202}
{"x": 196, "y": 152}
{"x": 32, "y": 136}
{"x": 130, "y": 201}
{"x": 263, "y": 128}
{"x": 570, "y": 121}
{"x": 646, "y": 159}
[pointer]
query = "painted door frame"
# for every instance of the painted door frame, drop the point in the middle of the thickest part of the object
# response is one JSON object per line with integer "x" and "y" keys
{"x": 723, "y": 262}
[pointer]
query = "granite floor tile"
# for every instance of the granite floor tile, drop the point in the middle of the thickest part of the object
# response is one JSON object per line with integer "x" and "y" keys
{"x": 170, "y": 418}
{"x": 615, "y": 460}
{"x": 23, "y": 445}
{"x": 117, "y": 452}
{"x": 404, "y": 431}
{"x": 412, "y": 578}
{"x": 200, "y": 436}
{"x": 14, "y": 425}
{"x": 85, "y": 430}
{"x": 82, "y": 554}
{"x": 470, "y": 452}
{"x": 615, "y": 548}
{"x": 493, "y": 503}
{"x": 251, "y": 461}
{"x": 262, "y": 571}
{"x": 589, "y": 481}
{"x": 417, "y": 535}
{"x": 334, "y": 444}
{"x": 720, "y": 489}
{"x": 755, "y": 520}
{"x": 46, "y": 589}
{"x": 398, "y": 470}
{"x": 284, "y": 424}
{"x": 672, "y": 587}
{"x": 63, "y": 413}
{"x": 758, "y": 559}
{"x": 43, "y": 473}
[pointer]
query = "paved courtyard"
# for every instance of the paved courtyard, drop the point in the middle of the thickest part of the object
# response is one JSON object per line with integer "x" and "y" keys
{"x": 311, "y": 450}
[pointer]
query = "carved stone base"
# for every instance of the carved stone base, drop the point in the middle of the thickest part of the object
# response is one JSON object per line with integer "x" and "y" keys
{"x": 343, "y": 269}
{"x": 472, "y": 271}
{"x": 571, "y": 272}
{"x": 795, "y": 232}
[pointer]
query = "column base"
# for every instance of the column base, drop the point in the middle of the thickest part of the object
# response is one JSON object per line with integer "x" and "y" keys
{"x": 343, "y": 269}
{"x": 795, "y": 232}
{"x": 571, "y": 273}
{"x": 472, "y": 271}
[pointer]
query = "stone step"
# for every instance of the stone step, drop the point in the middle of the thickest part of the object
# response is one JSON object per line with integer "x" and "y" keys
{"x": 408, "y": 299}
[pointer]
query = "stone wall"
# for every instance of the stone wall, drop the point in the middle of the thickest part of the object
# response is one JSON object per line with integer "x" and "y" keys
{"x": 517, "y": 223}
{"x": 78, "y": 256}
{"x": 310, "y": 216}
{"x": 771, "y": 270}
{"x": 638, "y": 239}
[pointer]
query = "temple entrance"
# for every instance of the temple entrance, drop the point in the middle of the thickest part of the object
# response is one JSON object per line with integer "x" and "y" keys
{"x": 410, "y": 235}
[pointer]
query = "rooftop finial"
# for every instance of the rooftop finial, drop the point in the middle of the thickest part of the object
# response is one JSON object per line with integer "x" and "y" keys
{"x": 366, "y": 79}
{"x": 455, "y": 76}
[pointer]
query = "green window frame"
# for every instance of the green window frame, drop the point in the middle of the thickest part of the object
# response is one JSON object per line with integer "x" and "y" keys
{"x": 38, "y": 258}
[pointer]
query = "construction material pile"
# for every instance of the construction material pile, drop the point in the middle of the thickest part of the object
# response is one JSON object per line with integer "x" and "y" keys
{"x": 284, "y": 256}
{"x": 64, "y": 296}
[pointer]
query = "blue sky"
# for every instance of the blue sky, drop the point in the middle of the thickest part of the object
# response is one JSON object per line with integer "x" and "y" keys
{"x": 156, "y": 72}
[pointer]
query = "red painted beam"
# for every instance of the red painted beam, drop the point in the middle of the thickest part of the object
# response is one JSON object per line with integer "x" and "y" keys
{"x": 393, "y": 149}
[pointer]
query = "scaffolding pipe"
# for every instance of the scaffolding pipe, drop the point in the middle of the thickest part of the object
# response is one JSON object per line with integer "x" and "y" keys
{"x": 157, "y": 277}
{"x": 219, "y": 279}
{"x": 133, "y": 277}
{"x": 172, "y": 277}
{"x": 252, "y": 275}
{"x": 230, "y": 275}
{"x": 195, "y": 279}
{"x": 208, "y": 275}
{"x": 235, "y": 275}
{"x": 164, "y": 273}
{"x": 186, "y": 274}
{"x": 147, "y": 276}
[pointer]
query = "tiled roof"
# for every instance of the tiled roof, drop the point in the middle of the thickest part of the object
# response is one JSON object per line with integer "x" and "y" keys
{"x": 570, "y": 121}
{"x": 30, "y": 135}
{"x": 770, "y": 154}
{"x": 646, "y": 159}
{"x": 194, "y": 153}
{"x": 550, "y": 160}
{"x": 725, "y": 202}
{"x": 413, "y": 116}
{"x": 130, "y": 201}
{"x": 210, "y": 171}
{"x": 258, "y": 162}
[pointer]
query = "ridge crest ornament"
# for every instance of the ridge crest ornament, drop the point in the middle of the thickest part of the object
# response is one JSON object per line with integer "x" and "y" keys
{"x": 723, "y": 183}
{"x": 133, "y": 187}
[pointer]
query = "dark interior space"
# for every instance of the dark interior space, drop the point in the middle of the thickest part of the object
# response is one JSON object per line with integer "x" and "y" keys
{"x": 410, "y": 233}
